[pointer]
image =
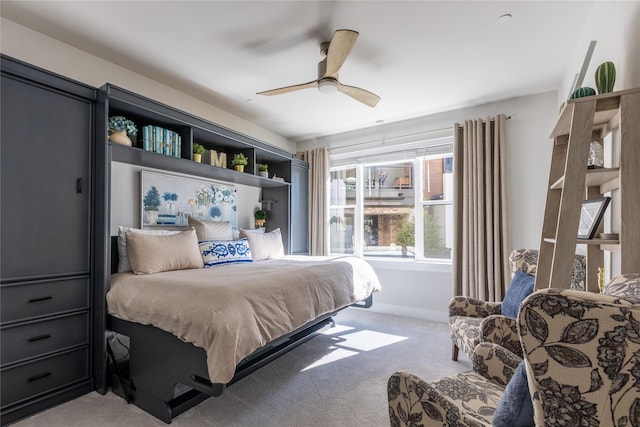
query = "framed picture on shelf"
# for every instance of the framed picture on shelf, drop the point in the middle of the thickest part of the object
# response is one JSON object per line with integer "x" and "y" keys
{"x": 591, "y": 215}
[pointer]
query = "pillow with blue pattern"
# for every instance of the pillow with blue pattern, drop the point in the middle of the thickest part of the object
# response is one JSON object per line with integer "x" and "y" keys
{"x": 219, "y": 252}
{"x": 521, "y": 287}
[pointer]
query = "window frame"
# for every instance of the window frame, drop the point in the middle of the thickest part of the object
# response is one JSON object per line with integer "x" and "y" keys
{"x": 419, "y": 154}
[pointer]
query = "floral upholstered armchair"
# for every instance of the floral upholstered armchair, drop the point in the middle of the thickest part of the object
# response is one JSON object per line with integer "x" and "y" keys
{"x": 472, "y": 321}
{"x": 581, "y": 367}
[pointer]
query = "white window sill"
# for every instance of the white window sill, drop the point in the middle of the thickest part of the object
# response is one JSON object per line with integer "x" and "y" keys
{"x": 410, "y": 264}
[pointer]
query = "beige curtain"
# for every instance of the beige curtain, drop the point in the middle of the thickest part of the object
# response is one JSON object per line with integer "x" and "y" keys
{"x": 318, "y": 160}
{"x": 481, "y": 223}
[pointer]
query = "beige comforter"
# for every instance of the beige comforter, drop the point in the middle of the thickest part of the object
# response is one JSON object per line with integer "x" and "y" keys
{"x": 232, "y": 310}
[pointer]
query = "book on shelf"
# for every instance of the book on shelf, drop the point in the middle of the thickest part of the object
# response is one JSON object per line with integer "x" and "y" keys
{"x": 161, "y": 140}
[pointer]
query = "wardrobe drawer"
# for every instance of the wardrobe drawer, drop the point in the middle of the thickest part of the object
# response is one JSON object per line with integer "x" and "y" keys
{"x": 43, "y": 375}
{"x": 34, "y": 338}
{"x": 43, "y": 298}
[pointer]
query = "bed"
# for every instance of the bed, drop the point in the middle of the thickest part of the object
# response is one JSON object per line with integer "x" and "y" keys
{"x": 193, "y": 332}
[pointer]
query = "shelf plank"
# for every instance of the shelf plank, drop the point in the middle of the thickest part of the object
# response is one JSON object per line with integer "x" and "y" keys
{"x": 140, "y": 157}
{"x": 607, "y": 178}
{"x": 606, "y": 113}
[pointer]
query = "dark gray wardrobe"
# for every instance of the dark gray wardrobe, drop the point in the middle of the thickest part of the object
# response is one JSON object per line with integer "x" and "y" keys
{"x": 45, "y": 217}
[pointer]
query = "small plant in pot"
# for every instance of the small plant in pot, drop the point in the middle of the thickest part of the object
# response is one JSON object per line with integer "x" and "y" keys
{"x": 239, "y": 162}
{"x": 261, "y": 217}
{"x": 263, "y": 170}
{"x": 198, "y": 151}
{"x": 122, "y": 130}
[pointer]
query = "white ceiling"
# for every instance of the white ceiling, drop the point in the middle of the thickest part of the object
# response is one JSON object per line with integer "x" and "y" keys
{"x": 420, "y": 57}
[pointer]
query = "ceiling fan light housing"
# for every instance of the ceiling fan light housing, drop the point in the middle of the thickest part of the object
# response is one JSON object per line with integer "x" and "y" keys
{"x": 328, "y": 86}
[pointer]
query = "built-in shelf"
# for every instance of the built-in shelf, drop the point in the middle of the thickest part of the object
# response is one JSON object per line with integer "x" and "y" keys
{"x": 140, "y": 157}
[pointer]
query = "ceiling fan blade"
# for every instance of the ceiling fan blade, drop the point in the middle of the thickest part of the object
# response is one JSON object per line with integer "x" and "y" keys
{"x": 287, "y": 89}
{"x": 339, "y": 48}
{"x": 364, "y": 96}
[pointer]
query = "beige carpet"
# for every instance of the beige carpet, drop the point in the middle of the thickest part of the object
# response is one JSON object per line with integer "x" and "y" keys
{"x": 336, "y": 379}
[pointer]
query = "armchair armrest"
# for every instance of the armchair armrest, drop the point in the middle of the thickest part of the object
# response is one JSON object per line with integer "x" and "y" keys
{"x": 501, "y": 330}
{"x": 495, "y": 363}
{"x": 412, "y": 401}
{"x": 471, "y": 307}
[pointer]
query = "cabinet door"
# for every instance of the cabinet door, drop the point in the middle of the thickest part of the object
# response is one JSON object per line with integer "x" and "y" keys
{"x": 45, "y": 180}
{"x": 299, "y": 207}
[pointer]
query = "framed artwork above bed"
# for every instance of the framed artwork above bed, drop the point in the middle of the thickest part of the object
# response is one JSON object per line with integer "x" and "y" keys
{"x": 167, "y": 200}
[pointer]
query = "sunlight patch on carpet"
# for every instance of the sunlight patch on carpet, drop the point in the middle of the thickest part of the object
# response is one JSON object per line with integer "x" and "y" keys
{"x": 369, "y": 340}
{"x": 352, "y": 344}
{"x": 337, "y": 329}
{"x": 335, "y": 355}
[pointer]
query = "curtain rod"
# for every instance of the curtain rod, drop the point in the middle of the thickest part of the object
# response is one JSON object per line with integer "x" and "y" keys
{"x": 397, "y": 137}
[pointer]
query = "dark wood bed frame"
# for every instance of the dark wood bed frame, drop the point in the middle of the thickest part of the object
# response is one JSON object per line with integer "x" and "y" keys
{"x": 165, "y": 376}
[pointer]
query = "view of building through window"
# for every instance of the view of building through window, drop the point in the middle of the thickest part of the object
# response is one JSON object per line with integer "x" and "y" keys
{"x": 376, "y": 205}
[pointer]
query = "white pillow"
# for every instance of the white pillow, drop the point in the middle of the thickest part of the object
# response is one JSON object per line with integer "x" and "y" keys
{"x": 211, "y": 230}
{"x": 123, "y": 259}
{"x": 150, "y": 254}
{"x": 266, "y": 245}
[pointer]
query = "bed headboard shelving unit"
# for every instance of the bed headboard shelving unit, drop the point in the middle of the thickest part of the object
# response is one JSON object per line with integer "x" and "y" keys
{"x": 290, "y": 207}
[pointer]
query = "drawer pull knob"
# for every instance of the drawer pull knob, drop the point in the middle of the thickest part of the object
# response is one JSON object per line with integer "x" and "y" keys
{"x": 40, "y": 299}
{"x": 39, "y": 377}
{"x": 39, "y": 338}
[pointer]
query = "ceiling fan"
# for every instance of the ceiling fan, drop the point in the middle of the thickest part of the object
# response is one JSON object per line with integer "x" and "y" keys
{"x": 335, "y": 52}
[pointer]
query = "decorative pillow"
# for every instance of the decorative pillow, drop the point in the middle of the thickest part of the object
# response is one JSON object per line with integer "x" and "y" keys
{"x": 123, "y": 259}
{"x": 266, "y": 245}
{"x": 515, "y": 408}
{"x": 219, "y": 252}
{"x": 520, "y": 288}
{"x": 211, "y": 230}
{"x": 149, "y": 254}
{"x": 243, "y": 233}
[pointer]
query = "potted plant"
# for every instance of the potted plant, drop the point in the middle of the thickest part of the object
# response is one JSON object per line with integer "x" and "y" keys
{"x": 261, "y": 217}
{"x": 263, "y": 170}
{"x": 239, "y": 162}
{"x": 122, "y": 130}
{"x": 151, "y": 203}
{"x": 198, "y": 151}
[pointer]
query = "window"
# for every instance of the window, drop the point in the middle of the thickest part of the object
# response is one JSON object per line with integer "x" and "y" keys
{"x": 393, "y": 205}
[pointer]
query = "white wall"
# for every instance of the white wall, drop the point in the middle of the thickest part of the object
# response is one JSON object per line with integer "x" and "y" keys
{"x": 37, "y": 49}
{"x": 615, "y": 25}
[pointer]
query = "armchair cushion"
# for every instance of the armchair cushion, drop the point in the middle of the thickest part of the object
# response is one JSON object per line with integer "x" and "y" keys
{"x": 521, "y": 287}
{"x": 515, "y": 408}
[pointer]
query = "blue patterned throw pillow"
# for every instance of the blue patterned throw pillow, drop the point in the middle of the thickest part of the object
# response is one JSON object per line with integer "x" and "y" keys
{"x": 220, "y": 252}
{"x": 515, "y": 408}
{"x": 521, "y": 287}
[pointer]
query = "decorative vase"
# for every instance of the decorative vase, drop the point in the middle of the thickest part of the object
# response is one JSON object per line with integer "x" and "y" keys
{"x": 260, "y": 222}
{"x": 264, "y": 174}
{"x": 239, "y": 168}
{"x": 605, "y": 77}
{"x": 197, "y": 157}
{"x": 119, "y": 137}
